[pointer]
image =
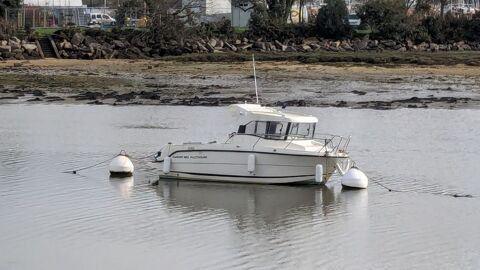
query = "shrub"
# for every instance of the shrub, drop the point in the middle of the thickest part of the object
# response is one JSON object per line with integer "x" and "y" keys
{"x": 386, "y": 18}
{"x": 331, "y": 20}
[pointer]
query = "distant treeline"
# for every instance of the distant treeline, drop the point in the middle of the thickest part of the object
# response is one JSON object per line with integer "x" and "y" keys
{"x": 380, "y": 19}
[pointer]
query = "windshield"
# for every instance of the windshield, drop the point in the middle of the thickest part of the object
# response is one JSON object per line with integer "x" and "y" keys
{"x": 302, "y": 130}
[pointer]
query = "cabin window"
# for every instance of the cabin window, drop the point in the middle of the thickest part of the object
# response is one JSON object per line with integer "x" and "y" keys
{"x": 302, "y": 129}
{"x": 265, "y": 129}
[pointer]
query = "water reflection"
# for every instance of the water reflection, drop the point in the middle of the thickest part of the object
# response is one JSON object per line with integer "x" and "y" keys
{"x": 124, "y": 185}
{"x": 242, "y": 201}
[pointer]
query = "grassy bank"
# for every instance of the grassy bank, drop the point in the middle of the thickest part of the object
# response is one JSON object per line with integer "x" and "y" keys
{"x": 471, "y": 58}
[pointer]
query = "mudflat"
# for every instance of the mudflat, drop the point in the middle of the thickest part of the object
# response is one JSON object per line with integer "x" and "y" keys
{"x": 291, "y": 83}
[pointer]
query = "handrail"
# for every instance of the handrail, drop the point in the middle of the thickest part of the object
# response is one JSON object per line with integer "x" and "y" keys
{"x": 331, "y": 143}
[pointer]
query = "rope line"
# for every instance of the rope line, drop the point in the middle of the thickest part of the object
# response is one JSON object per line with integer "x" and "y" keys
{"x": 74, "y": 171}
{"x": 89, "y": 167}
{"x": 454, "y": 195}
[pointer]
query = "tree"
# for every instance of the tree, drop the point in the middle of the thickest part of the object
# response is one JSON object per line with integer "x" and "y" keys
{"x": 386, "y": 18}
{"x": 331, "y": 20}
{"x": 6, "y": 4}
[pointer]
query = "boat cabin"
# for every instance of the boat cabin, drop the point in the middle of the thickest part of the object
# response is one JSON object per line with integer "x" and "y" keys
{"x": 269, "y": 123}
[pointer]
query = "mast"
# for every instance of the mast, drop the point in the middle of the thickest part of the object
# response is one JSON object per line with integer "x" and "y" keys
{"x": 255, "y": 78}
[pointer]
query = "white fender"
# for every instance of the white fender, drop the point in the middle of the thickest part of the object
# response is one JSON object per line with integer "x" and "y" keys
{"x": 251, "y": 163}
{"x": 167, "y": 163}
{"x": 319, "y": 173}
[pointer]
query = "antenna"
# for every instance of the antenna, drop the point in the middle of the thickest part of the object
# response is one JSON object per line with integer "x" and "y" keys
{"x": 255, "y": 77}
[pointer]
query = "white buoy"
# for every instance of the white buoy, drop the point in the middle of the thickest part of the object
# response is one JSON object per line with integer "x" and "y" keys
{"x": 121, "y": 166}
{"x": 354, "y": 178}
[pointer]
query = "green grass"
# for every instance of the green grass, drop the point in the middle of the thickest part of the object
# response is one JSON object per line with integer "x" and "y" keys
{"x": 240, "y": 30}
{"x": 46, "y": 31}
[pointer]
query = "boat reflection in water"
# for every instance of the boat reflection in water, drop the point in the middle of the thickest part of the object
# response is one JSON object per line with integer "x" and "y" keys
{"x": 272, "y": 203}
{"x": 124, "y": 185}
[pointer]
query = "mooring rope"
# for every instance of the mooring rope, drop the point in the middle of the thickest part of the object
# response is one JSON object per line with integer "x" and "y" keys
{"x": 91, "y": 166}
{"x": 74, "y": 171}
{"x": 455, "y": 195}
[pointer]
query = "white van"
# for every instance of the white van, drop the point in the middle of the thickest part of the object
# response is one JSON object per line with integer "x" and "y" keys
{"x": 101, "y": 18}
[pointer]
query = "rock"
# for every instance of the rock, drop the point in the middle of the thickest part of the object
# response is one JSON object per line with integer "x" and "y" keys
{"x": 77, "y": 39}
{"x": 346, "y": 46}
{"x": 290, "y": 49}
{"x": 63, "y": 54}
{"x": 259, "y": 45}
{"x": 280, "y": 46}
{"x": 94, "y": 46}
{"x": 118, "y": 44}
{"x": 5, "y": 49}
{"x": 15, "y": 45}
{"x": 15, "y": 39}
{"x": 67, "y": 45}
{"x": 388, "y": 43}
{"x": 209, "y": 47}
{"x": 238, "y": 42}
{"x": 246, "y": 47}
{"x": 88, "y": 40}
{"x": 29, "y": 47}
{"x": 360, "y": 44}
{"x": 201, "y": 48}
{"x": 305, "y": 48}
{"x": 409, "y": 44}
{"x": 402, "y": 49}
{"x": 19, "y": 56}
{"x": 212, "y": 42}
{"x": 3, "y": 43}
{"x": 422, "y": 46}
{"x": 231, "y": 47}
{"x": 314, "y": 46}
{"x": 434, "y": 47}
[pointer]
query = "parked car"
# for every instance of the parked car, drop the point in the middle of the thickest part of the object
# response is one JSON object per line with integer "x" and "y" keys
{"x": 101, "y": 19}
{"x": 354, "y": 20}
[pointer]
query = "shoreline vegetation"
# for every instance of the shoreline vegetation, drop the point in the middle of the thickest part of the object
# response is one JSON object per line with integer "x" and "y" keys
{"x": 183, "y": 81}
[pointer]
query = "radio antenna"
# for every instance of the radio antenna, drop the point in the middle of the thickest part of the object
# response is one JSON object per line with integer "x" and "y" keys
{"x": 255, "y": 78}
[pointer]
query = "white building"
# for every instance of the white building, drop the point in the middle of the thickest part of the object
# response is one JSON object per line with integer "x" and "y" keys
{"x": 53, "y": 3}
{"x": 241, "y": 11}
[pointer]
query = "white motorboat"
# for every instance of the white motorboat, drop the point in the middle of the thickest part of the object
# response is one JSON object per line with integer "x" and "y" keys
{"x": 271, "y": 146}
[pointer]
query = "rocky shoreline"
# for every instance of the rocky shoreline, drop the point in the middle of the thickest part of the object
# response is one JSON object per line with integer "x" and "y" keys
{"x": 104, "y": 45}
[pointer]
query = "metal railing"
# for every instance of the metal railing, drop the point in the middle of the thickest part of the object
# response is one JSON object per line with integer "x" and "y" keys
{"x": 331, "y": 144}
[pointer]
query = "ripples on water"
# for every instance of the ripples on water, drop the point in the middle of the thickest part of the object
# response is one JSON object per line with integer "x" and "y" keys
{"x": 54, "y": 220}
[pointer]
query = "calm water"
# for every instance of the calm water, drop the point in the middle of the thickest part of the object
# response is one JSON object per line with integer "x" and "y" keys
{"x": 54, "y": 220}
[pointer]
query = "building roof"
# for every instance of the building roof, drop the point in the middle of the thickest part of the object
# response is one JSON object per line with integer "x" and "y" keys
{"x": 256, "y": 112}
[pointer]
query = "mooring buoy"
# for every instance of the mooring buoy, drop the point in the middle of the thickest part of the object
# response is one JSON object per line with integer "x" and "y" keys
{"x": 354, "y": 178}
{"x": 121, "y": 166}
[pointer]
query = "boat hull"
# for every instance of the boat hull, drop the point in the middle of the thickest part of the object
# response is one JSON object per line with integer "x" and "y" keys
{"x": 233, "y": 166}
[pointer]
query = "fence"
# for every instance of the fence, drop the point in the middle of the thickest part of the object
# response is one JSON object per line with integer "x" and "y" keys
{"x": 35, "y": 17}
